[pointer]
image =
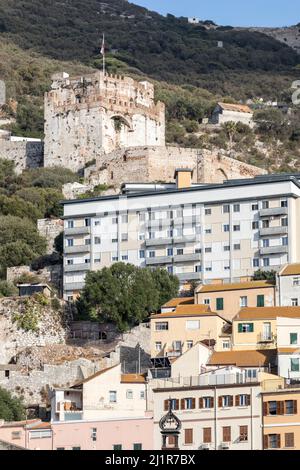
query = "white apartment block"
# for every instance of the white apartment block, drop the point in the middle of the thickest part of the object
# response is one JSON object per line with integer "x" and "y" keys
{"x": 209, "y": 233}
{"x": 288, "y": 286}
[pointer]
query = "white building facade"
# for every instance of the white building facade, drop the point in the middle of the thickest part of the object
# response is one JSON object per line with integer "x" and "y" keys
{"x": 208, "y": 233}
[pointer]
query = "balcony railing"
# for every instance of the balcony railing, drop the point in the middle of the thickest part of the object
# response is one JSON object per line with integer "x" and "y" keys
{"x": 276, "y": 211}
{"x": 159, "y": 260}
{"x": 77, "y": 249}
{"x": 77, "y": 267}
{"x": 72, "y": 286}
{"x": 189, "y": 276}
{"x": 264, "y": 232}
{"x": 77, "y": 231}
{"x": 158, "y": 241}
{"x": 273, "y": 250}
{"x": 266, "y": 338}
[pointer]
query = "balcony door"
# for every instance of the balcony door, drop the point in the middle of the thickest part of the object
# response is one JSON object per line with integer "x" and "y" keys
{"x": 267, "y": 331}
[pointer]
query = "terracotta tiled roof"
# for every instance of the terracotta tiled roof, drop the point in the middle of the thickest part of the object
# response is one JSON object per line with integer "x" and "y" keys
{"x": 267, "y": 313}
{"x": 288, "y": 350}
{"x": 178, "y": 301}
{"x": 247, "y": 358}
{"x": 187, "y": 311}
{"x": 240, "y": 108}
{"x": 234, "y": 286}
{"x": 291, "y": 269}
{"x": 133, "y": 378}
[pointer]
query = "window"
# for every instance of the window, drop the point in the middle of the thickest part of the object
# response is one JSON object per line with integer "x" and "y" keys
{"x": 294, "y": 302}
{"x": 151, "y": 235}
{"x": 94, "y": 434}
{"x": 180, "y": 251}
{"x": 290, "y": 407}
{"x": 226, "y": 344}
{"x": 170, "y": 233}
{"x": 97, "y": 222}
{"x": 142, "y": 395}
{"x": 137, "y": 446}
{"x": 226, "y": 434}
{"x": 158, "y": 346}
{"x": 242, "y": 400}
{"x": 207, "y": 211}
{"x": 244, "y": 301}
{"x": 170, "y": 252}
{"x": 76, "y": 448}
{"x": 114, "y": 220}
{"x": 226, "y": 401}
{"x": 70, "y": 242}
{"x": 243, "y": 433}
{"x": 251, "y": 373}
{"x": 265, "y": 204}
{"x": 284, "y": 203}
{"x": 208, "y": 249}
{"x": 177, "y": 346}
{"x": 226, "y": 209}
{"x": 226, "y": 247}
{"x": 142, "y": 254}
{"x": 256, "y": 262}
{"x": 206, "y": 435}
{"x": 97, "y": 240}
{"x": 237, "y": 246}
{"x": 245, "y": 327}
{"x": 70, "y": 224}
{"x": 87, "y": 222}
{"x": 151, "y": 254}
{"x": 255, "y": 225}
{"x": 265, "y": 224}
{"x": 236, "y": 208}
{"x": 226, "y": 228}
{"x": 206, "y": 301}
{"x": 124, "y": 237}
{"x": 87, "y": 260}
{"x": 179, "y": 213}
{"x": 87, "y": 241}
{"x": 124, "y": 257}
{"x": 188, "y": 436}
{"x": 220, "y": 304}
{"x": 125, "y": 219}
{"x": 164, "y": 325}
{"x": 170, "y": 269}
{"x": 284, "y": 222}
{"x": 60, "y": 448}
{"x": 208, "y": 230}
{"x": 296, "y": 281}
{"x": 293, "y": 338}
{"x": 70, "y": 261}
{"x": 266, "y": 243}
{"x": 274, "y": 441}
{"x": 285, "y": 241}
{"x": 142, "y": 236}
{"x": 272, "y": 408}
{"x": 255, "y": 207}
{"x": 117, "y": 447}
{"x": 189, "y": 344}
{"x": 129, "y": 394}
{"x": 192, "y": 324}
{"x": 142, "y": 216}
{"x": 236, "y": 228}
{"x": 260, "y": 301}
{"x": 266, "y": 262}
{"x": 189, "y": 404}
{"x": 294, "y": 364}
{"x": 289, "y": 439}
{"x": 113, "y": 396}
{"x": 206, "y": 402}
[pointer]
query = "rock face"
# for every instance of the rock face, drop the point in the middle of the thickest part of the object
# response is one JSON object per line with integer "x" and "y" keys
{"x": 86, "y": 117}
{"x": 288, "y": 35}
{"x": 51, "y": 329}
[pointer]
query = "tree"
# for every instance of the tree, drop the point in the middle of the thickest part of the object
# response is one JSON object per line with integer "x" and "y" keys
{"x": 11, "y": 409}
{"x": 125, "y": 294}
{"x": 261, "y": 275}
{"x": 7, "y": 289}
{"x": 231, "y": 130}
{"x": 14, "y": 229}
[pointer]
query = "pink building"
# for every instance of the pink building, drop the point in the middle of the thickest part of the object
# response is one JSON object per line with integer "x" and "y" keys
{"x": 108, "y": 434}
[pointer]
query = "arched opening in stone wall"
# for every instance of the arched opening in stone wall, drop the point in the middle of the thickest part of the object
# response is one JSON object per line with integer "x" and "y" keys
{"x": 222, "y": 175}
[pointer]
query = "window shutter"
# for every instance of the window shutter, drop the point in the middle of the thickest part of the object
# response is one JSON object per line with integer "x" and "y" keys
{"x": 280, "y": 407}
{"x": 188, "y": 435}
{"x": 230, "y": 400}
{"x": 182, "y": 404}
{"x": 240, "y": 327}
{"x": 177, "y": 405}
{"x": 295, "y": 407}
{"x": 212, "y": 402}
{"x": 166, "y": 405}
{"x": 266, "y": 440}
{"x": 201, "y": 403}
{"x": 220, "y": 402}
{"x": 193, "y": 403}
{"x": 248, "y": 400}
{"x": 237, "y": 400}
{"x": 251, "y": 327}
{"x": 207, "y": 435}
{"x": 265, "y": 409}
{"x": 278, "y": 441}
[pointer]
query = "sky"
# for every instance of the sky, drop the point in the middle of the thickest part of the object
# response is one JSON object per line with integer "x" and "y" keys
{"x": 231, "y": 12}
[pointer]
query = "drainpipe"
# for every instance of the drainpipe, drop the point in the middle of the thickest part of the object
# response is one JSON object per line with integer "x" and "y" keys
{"x": 262, "y": 422}
{"x": 251, "y": 410}
{"x": 215, "y": 419}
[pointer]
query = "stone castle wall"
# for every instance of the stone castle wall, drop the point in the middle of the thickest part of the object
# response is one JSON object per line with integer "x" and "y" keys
{"x": 156, "y": 164}
{"x": 86, "y": 117}
{"x": 50, "y": 229}
{"x": 24, "y": 154}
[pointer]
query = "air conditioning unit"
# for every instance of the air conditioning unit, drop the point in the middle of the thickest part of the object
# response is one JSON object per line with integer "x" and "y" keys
{"x": 204, "y": 447}
{"x": 225, "y": 445}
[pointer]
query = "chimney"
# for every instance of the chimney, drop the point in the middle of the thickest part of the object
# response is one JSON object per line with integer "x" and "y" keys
{"x": 183, "y": 178}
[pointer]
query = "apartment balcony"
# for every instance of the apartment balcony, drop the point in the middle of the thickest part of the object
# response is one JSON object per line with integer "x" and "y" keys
{"x": 276, "y": 211}
{"x": 265, "y": 232}
{"x": 188, "y": 220}
{"x": 73, "y": 286}
{"x": 158, "y": 241}
{"x": 274, "y": 250}
{"x": 266, "y": 338}
{"x": 77, "y": 231}
{"x": 187, "y": 257}
{"x": 77, "y": 249}
{"x": 68, "y": 406}
{"x": 77, "y": 267}
{"x": 184, "y": 239}
{"x": 159, "y": 223}
{"x": 175, "y": 353}
{"x": 189, "y": 276}
{"x": 159, "y": 260}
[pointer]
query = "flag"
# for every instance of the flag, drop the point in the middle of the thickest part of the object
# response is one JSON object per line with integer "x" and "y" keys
{"x": 102, "y": 51}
